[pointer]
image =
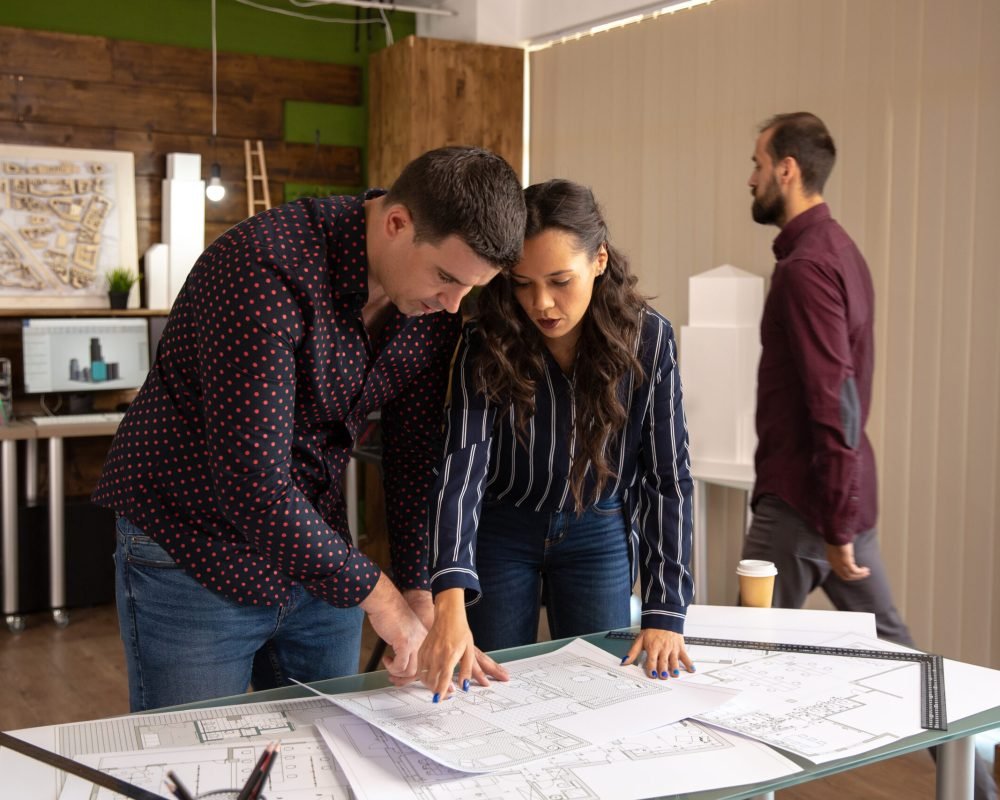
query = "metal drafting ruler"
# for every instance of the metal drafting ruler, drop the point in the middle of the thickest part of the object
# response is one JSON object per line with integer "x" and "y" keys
{"x": 95, "y": 776}
{"x": 933, "y": 716}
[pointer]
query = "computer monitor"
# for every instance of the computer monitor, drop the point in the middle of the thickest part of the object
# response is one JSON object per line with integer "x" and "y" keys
{"x": 81, "y": 354}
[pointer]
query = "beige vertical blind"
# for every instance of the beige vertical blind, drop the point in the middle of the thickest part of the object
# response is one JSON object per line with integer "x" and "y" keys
{"x": 659, "y": 117}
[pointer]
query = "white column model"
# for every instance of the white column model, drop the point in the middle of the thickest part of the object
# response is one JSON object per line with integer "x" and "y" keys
{"x": 719, "y": 351}
{"x": 183, "y": 218}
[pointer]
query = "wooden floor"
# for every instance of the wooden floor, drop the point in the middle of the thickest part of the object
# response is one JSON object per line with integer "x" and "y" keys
{"x": 50, "y": 675}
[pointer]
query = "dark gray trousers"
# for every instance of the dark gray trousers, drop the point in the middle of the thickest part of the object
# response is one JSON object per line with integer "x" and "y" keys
{"x": 777, "y": 533}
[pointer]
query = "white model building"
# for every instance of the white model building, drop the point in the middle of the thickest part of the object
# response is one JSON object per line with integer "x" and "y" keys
{"x": 719, "y": 351}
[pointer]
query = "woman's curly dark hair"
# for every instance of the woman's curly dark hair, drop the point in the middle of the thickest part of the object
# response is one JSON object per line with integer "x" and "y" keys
{"x": 512, "y": 362}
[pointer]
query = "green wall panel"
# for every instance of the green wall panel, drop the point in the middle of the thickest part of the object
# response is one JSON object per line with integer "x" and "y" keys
{"x": 187, "y": 23}
{"x": 325, "y": 123}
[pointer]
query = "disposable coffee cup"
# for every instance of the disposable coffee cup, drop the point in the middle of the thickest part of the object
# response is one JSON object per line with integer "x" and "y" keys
{"x": 756, "y": 582}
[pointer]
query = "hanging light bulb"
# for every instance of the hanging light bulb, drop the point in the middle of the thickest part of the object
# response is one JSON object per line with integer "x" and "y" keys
{"x": 215, "y": 191}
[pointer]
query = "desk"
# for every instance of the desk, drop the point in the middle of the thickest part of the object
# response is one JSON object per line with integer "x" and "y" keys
{"x": 732, "y": 476}
{"x": 955, "y": 752}
{"x": 55, "y": 430}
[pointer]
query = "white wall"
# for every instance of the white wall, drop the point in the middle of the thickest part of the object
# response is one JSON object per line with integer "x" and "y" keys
{"x": 515, "y": 22}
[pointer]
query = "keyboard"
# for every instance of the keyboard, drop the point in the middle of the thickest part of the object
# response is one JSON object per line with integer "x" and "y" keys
{"x": 77, "y": 419}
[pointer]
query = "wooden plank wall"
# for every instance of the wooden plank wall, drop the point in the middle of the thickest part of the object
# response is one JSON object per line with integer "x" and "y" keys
{"x": 67, "y": 90}
{"x": 427, "y": 93}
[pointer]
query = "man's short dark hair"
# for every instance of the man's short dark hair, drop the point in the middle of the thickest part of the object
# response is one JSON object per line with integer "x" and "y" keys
{"x": 804, "y": 137}
{"x": 466, "y": 192}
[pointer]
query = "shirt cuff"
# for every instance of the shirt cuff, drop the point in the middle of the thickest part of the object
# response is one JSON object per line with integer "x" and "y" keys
{"x": 457, "y": 578}
{"x": 664, "y": 617}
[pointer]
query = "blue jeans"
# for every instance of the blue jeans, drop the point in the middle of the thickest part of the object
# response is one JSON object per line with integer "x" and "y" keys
{"x": 184, "y": 642}
{"x": 584, "y": 562}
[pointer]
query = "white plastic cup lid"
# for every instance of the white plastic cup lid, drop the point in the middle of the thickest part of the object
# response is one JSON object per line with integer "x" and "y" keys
{"x": 752, "y": 568}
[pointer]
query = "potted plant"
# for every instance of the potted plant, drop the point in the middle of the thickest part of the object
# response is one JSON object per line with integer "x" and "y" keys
{"x": 120, "y": 283}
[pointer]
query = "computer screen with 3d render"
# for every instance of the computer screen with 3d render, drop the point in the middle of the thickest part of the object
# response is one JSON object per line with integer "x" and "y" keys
{"x": 79, "y": 355}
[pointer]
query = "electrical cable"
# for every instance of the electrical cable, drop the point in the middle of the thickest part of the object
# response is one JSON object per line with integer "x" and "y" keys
{"x": 287, "y": 13}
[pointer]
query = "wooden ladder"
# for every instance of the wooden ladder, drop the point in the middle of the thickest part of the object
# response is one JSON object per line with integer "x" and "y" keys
{"x": 252, "y": 152}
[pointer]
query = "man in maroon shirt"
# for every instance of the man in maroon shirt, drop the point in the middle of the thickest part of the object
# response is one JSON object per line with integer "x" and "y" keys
{"x": 815, "y": 497}
{"x": 234, "y": 561}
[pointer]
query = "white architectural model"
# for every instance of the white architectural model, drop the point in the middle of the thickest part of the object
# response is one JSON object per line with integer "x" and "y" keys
{"x": 183, "y": 218}
{"x": 719, "y": 351}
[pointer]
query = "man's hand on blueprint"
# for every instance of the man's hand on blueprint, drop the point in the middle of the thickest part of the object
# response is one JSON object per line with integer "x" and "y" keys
{"x": 397, "y": 625}
{"x": 422, "y": 603}
{"x": 664, "y": 653}
{"x": 449, "y": 643}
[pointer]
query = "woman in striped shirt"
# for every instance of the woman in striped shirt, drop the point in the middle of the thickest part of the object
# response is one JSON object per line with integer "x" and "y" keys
{"x": 566, "y": 466}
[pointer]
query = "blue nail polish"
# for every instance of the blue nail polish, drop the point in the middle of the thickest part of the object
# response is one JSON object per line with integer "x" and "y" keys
{"x": 437, "y": 697}
{"x": 624, "y": 659}
{"x": 465, "y": 685}
{"x": 652, "y": 673}
{"x": 677, "y": 672}
{"x": 691, "y": 668}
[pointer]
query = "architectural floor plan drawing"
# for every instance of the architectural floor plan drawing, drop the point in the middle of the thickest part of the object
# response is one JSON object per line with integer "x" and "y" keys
{"x": 304, "y": 770}
{"x": 219, "y": 741}
{"x": 683, "y": 757}
{"x": 819, "y": 706}
{"x": 556, "y": 703}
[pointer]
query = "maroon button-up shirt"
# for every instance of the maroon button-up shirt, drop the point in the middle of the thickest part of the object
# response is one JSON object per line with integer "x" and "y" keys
{"x": 232, "y": 455}
{"x": 815, "y": 379}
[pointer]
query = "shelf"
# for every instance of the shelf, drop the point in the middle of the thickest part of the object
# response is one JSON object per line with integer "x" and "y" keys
{"x": 83, "y": 312}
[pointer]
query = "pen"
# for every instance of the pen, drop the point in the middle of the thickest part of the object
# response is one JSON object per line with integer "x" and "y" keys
{"x": 252, "y": 787}
{"x": 177, "y": 789}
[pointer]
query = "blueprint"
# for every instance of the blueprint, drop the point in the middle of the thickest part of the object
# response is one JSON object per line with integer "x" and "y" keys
{"x": 682, "y": 757}
{"x": 211, "y": 746}
{"x": 819, "y": 706}
{"x": 304, "y": 770}
{"x": 555, "y": 703}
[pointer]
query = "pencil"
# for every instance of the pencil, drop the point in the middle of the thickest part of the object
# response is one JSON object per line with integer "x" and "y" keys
{"x": 262, "y": 778}
{"x": 177, "y": 789}
{"x": 246, "y": 791}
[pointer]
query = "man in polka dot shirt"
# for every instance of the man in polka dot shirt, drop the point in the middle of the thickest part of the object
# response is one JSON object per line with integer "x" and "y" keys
{"x": 234, "y": 560}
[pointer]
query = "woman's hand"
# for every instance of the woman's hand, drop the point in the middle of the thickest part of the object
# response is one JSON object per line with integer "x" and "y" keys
{"x": 449, "y": 643}
{"x": 664, "y": 653}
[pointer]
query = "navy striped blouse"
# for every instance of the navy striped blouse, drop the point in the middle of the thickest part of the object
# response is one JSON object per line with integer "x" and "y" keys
{"x": 650, "y": 461}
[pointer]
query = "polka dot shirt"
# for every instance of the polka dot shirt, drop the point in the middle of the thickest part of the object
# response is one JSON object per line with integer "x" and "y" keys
{"x": 232, "y": 455}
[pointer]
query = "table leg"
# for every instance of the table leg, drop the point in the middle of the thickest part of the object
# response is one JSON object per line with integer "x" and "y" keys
{"x": 8, "y": 468}
{"x": 31, "y": 471}
{"x": 700, "y": 544}
{"x": 955, "y": 769}
{"x": 57, "y": 533}
{"x": 351, "y": 497}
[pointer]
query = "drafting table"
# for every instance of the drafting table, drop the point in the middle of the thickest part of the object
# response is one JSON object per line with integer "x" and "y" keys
{"x": 955, "y": 764}
{"x": 955, "y": 752}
